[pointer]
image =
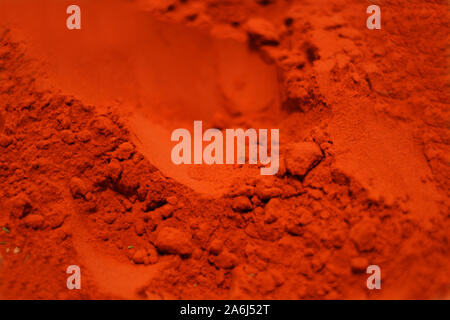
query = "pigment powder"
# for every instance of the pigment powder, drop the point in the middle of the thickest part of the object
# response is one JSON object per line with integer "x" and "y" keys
{"x": 86, "y": 175}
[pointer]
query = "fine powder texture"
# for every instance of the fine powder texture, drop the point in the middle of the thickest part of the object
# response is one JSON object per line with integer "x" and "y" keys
{"x": 364, "y": 173}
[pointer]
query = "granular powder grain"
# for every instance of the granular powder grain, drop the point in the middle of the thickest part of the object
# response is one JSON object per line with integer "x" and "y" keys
{"x": 363, "y": 180}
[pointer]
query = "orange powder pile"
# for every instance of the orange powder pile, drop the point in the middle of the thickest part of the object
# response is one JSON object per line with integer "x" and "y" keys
{"x": 86, "y": 177}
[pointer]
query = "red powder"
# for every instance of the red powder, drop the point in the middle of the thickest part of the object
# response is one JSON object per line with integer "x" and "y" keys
{"x": 364, "y": 177}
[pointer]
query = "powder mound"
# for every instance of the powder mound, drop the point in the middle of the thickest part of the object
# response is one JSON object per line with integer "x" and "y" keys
{"x": 309, "y": 232}
{"x": 226, "y": 260}
{"x": 21, "y": 206}
{"x": 216, "y": 246}
{"x": 359, "y": 264}
{"x": 124, "y": 151}
{"x": 302, "y": 157}
{"x": 145, "y": 256}
{"x": 139, "y": 256}
{"x": 261, "y": 32}
{"x": 363, "y": 234}
{"x": 174, "y": 241}
{"x": 78, "y": 188}
{"x": 271, "y": 211}
{"x": 34, "y": 221}
{"x": 242, "y": 204}
{"x": 5, "y": 141}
